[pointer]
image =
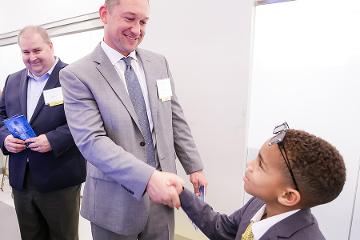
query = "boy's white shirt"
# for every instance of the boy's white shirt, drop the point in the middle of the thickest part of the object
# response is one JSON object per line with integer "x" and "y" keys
{"x": 260, "y": 227}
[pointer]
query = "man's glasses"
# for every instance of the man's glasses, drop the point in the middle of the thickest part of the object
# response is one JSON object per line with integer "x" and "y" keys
{"x": 280, "y": 132}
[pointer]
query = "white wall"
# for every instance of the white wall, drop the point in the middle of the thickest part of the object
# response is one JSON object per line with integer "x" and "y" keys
{"x": 10, "y": 61}
{"x": 306, "y": 71}
{"x": 208, "y": 45}
{"x": 16, "y": 14}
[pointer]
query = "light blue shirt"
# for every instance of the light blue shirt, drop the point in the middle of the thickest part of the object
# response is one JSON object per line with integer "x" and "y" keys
{"x": 35, "y": 88}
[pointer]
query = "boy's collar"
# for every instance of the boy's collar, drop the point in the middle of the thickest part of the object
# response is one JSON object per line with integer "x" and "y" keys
{"x": 261, "y": 226}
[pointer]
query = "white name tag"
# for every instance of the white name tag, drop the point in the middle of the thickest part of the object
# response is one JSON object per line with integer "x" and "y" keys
{"x": 53, "y": 97}
{"x": 164, "y": 89}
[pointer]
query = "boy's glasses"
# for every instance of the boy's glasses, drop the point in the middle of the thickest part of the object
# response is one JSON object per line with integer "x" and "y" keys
{"x": 280, "y": 132}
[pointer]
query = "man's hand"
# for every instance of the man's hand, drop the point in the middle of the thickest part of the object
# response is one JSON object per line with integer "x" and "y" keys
{"x": 164, "y": 187}
{"x": 39, "y": 144}
{"x": 198, "y": 179}
{"x": 14, "y": 145}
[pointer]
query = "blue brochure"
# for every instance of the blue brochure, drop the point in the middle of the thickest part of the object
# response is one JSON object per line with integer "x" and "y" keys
{"x": 19, "y": 127}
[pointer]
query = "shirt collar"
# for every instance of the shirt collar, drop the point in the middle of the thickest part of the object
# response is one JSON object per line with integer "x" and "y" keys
{"x": 45, "y": 75}
{"x": 114, "y": 55}
{"x": 260, "y": 227}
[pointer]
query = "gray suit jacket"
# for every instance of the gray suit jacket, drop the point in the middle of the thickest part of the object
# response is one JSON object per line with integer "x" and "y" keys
{"x": 106, "y": 130}
{"x": 300, "y": 226}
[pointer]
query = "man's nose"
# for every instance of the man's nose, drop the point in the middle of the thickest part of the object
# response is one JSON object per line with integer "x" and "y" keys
{"x": 32, "y": 56}
{"x": 136, "y": 29}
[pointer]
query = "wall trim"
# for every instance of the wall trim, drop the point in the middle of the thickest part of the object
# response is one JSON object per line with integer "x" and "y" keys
{"x": 82, "y": 23}
{"x": 265, "y": 2}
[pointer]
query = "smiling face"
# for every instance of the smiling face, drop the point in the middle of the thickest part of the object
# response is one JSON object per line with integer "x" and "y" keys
{"x": 37, "y": 54}
{"x": 124, "y": 24}
{"x": 265, "y": 176}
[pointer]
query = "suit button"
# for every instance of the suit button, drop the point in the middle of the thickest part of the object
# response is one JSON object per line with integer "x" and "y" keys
{"x": 142, "y": 144}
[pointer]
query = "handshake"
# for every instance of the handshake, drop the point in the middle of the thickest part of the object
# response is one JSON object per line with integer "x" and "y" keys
{"x": 165, "y": 187}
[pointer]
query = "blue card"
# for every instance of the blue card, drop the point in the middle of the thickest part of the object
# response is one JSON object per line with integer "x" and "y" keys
{"x": 19, "y": 127}
{"x": 202, "y": 193}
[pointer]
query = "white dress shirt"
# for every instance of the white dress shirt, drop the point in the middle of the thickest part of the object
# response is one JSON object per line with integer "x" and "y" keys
{"x": 260, "y": 227}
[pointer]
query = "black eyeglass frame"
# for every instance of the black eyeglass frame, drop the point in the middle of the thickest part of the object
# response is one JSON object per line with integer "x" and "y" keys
{"x": 280, "y": 132}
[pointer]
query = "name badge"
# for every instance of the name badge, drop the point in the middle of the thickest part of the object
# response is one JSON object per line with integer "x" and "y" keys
{"x": 164, "y": 89}
{"x": 53, "y": 97}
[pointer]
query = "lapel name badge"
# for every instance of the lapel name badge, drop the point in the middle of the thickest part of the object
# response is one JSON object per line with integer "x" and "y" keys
{"x": 164, "y": 89}
{"x": 53, "y": 97}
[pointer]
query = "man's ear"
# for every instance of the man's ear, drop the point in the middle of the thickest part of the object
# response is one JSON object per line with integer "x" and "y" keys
{"x": 289, "y": 197}
{"x": 51, "y": 46}
{"x": 103, "y": 13}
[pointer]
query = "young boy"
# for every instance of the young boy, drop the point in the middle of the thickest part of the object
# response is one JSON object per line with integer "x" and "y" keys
{"x": 293, "y": 172}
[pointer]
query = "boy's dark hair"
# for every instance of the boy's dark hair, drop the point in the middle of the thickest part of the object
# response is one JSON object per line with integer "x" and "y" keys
{"x": 318, "y": 167}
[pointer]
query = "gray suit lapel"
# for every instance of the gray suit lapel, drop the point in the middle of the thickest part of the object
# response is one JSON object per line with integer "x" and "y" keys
{"x": 150, "y": 71}
{"x": 109, "y": 73}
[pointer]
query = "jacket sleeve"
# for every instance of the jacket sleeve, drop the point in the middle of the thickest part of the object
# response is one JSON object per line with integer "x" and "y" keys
{"x": 88, "y": 128}
{"x": 60, "y": 140}
{"x": 3, "y": 115}
{"x": 184, "y": 143}
{"x": 214, "y": 225}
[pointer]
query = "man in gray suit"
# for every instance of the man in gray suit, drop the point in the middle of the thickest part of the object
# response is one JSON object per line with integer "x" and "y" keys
{"x": 126, "y": 120}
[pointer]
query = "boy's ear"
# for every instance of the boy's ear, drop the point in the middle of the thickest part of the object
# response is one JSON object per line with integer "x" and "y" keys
{"x": 289, "y": 197}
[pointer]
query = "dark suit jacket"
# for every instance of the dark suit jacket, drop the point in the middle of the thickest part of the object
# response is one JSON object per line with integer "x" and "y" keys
{"x": 300, "y": 226}
{"x": 62, "y": 167}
